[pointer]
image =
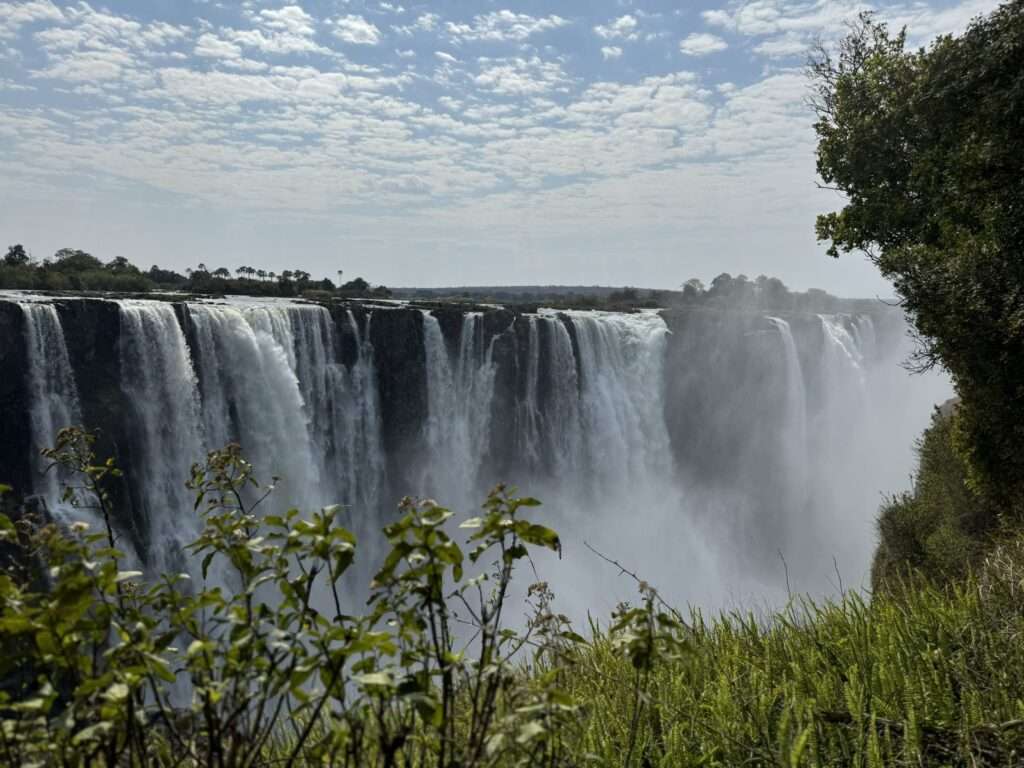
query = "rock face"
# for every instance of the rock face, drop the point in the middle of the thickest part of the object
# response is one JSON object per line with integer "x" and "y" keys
{"x": 15, "y": 431}
{"x": 397, "y": 338}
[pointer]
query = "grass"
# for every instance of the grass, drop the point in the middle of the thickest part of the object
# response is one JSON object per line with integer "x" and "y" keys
{"x": 926, "y": 677}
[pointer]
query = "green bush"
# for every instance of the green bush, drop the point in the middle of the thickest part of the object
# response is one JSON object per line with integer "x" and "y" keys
{"x": 102, "y": 668}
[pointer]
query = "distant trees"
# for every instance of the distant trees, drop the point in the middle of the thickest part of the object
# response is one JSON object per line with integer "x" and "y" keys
{"x": 357, "y": 286}
{"x": 73, "y": 260}
{"x": 16, "y": 256}
{"x": 119, "y": 265}
{"x": 72, "y": 269}
{"x": 165, "y": 277}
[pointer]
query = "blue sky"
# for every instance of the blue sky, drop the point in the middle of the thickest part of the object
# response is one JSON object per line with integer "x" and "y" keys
{"x": 436, "y": 143}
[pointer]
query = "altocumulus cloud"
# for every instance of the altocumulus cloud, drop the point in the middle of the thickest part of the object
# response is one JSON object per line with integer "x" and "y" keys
{"x": 356, "y": 30}
{"x": 701, "y": 44}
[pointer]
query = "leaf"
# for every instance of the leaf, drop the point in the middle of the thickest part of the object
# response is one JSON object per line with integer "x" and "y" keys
{"x": 539, "y": 535}
{"x": 117, "y": 692}
{"x": 376, "y": 679}
{"x": 529, "y": 732}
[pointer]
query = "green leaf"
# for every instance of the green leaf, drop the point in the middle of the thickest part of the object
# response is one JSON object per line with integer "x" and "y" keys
{"x": 376, "y": 679}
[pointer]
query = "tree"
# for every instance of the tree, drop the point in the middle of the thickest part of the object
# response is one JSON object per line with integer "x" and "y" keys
{"x": 927, "y": 147}
{"x": 72, "y": 260}
{"x": 222, "y": 272}
{"x": 16, "y": 256}
{"x": 119, "y": 265}
{"x": 356, "y": 286}
{"x": 165, "y": 276}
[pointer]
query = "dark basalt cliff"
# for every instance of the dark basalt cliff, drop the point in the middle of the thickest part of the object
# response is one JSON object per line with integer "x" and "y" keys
{"x": 15, "y": 437}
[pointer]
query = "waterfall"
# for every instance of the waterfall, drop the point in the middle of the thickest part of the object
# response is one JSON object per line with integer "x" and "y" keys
{"x": 160, "y": 389}
{"x": 796, "y": 394}
{"x": 528, "y": 412}
{"x": 54, "y": 394}
{"x": 271, "y": 380}
{"x": 794, "y": 446}
{"x": 706, "y": 441}
{"x": 563, "y": 426}
{"x": 459, "y": 401}
{"x": 357, "y": 450}
{"x": 842, "y": 348}
{"x": 622, "y": 397}
{"x": 251, "y": 395}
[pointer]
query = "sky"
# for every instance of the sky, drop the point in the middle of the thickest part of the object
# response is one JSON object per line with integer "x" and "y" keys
{"x": 430, "y": 143}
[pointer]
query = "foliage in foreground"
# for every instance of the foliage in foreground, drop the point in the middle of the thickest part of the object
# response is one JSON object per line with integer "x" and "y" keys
{"x": 260, "y": 665}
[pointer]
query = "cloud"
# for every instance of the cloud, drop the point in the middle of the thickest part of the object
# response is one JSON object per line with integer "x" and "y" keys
{"x": 213, "y": 47}
{"x": 446, "y": 57}
{"x": 782, "y": 47}
{"x": 291, "y": 19}
{"x": 425, "y": 22}
{"x": 701, "y": 44}
{"x": 356, "y": 30}
{"x": 520, "y": 76}
{"x": 13, "y": 16}
{"x": 623, "y": 28}
{"x": 788, "y": 28}
{"x": 611, "y": 52}
{"x": 500, "y": 26}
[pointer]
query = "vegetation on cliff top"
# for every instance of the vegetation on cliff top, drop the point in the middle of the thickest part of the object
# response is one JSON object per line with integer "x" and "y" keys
{"x": 75, "y": 270}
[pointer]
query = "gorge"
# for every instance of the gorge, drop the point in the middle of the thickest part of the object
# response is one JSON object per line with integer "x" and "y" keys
{"x": 724, "y": 453}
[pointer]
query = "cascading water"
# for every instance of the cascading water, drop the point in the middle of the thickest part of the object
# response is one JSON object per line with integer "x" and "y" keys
{"x": 271, "y": 380}
{"x": 528, "y": 413}
{"x": 710, "y": 442}
{"x": 251, "y": 395}
{"x": 621, "y": 396}
{"x": 795, "y": 437}
{"x": 458, "y": 409}
{"x": 54, "y": 394}
{"x": 363, "y": 449}
{"x": 159, "y": 384}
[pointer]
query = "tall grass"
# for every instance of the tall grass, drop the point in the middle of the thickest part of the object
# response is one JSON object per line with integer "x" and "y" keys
{"x": 926, "y": 676}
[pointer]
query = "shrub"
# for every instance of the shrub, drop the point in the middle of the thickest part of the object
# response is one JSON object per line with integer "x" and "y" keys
{"x": 265, "y": 667}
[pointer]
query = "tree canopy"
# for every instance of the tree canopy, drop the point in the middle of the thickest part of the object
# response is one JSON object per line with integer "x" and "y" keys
{"x": 927, "y": 147}
{"x": 72, "y": 269}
